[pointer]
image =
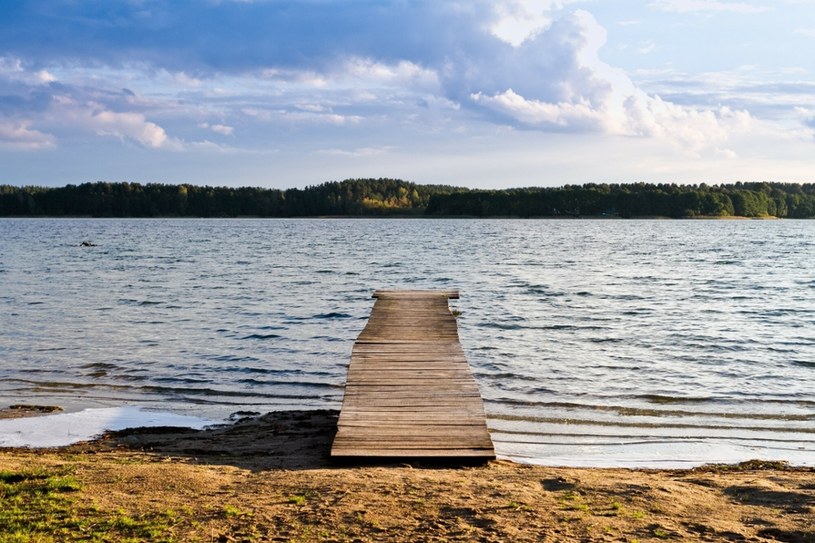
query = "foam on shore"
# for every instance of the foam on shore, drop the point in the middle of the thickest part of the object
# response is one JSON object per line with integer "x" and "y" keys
{"x": 67, "y": 428}
{"x": 654, "y": 454}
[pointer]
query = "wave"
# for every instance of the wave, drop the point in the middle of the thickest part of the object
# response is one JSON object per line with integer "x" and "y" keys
{"x": 262, "y": 336}
{"x": 648, "y": 425}
{"x": 332, "y": 315}
{"x": 497, "y": 436}
{"x": 629, "y": 411}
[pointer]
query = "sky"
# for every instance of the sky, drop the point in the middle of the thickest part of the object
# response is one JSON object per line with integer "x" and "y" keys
{"x": 481, "y": 94}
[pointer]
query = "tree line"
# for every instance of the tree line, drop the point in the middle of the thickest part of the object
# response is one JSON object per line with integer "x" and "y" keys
{"x": 352, "y": 197}
{"x": 395, "y": 197}
{"x": 634, "y": 200}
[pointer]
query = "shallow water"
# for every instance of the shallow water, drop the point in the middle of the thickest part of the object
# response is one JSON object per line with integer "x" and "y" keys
{"x": 649, "y": 343}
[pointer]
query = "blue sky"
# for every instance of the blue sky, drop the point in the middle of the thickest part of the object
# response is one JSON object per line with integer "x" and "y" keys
{"x": 474, "y": 93}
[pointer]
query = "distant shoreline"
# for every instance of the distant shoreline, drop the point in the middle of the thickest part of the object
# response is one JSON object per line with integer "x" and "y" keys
{"x": 395, "y": 198}
{"x": 420, "y": 217}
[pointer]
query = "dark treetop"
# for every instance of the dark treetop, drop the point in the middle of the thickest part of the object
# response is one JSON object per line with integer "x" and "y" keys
{"x": 378, "y": 197}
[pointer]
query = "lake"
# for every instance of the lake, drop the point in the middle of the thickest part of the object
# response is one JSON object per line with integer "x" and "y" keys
{"x": 595, "y": 342}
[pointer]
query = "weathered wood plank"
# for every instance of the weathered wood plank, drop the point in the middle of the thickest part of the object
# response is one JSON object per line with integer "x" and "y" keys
{"x": 409, "y": 391}
{"x": 446, "y": 294}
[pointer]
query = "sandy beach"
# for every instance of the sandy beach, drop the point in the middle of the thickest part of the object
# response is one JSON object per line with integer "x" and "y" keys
{"x": 269, "y": 478}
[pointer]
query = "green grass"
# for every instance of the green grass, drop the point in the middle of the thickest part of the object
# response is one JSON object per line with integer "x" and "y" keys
{"x": 638, "y": 515}
{"x": 43, "y": 506}
{"x": 297, "y": 499}
{"x": 230, "y": 511}
{"x": 573, "y": 501}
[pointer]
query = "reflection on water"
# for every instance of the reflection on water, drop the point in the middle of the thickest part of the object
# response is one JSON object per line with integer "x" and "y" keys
{"x": 593, "y": 342}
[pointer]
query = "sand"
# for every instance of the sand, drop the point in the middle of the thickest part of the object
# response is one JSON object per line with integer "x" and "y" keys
{"x": 269, "y": 478}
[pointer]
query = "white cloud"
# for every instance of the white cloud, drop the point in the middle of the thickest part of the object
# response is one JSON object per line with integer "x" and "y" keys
{"x": 571, "y": 115}
{"x": 211, "y": 146}
{"x": 126, "y": 126}
{"x": 518, "y": 20}
{"x": 403, "y": 72}
{"x": 222, "y": 129}
{"x": 258, "y": 114}
{"x": 45, "y": 77}
{"x": 132, "y": 126}
{"x": 707, "y": 6}
{"x": 523, "y": 64}
{"x": 358, "y": 153}
{"x": 592, "y": 96}
{"x": 693, "y": 130}
{"x": 310, "y": 115}
{"x": 19, "y": 136}
{"x": 185, "y": 80}
{"x": 13, "y": 69}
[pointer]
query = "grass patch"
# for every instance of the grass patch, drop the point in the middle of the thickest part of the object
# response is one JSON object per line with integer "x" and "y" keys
{"x": 518, "y": 506}
{"x": 573, "y": 501}
{"x": 749, "y": 465}
{"x": 638, "y": 515}
{"x": 297, "y": 499}
{"x": 44, "y": 506}
{"x": 230, "y": 511}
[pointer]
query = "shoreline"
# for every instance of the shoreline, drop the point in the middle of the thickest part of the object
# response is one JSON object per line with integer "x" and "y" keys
{"x": 51, "y": 427}
{"x": 418, "y": 217}
{"x": 269, "y": 478}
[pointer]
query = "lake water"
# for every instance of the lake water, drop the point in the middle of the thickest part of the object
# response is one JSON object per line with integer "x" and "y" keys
{"x": 594, "y": 342}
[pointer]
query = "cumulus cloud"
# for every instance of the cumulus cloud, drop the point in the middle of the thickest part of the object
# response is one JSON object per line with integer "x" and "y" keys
{"x": 573, "y": 90}
{"x": 20, "y": 136}
{"x": 515, "y": 21}
{"x": 33, "y": 96}
{"x": 131, "y": 126}
{"x": 528, "y": 64}
{"x": 565, "y": 115}
{"x": 691, "y": 129}
{"x": 126, "y": 126}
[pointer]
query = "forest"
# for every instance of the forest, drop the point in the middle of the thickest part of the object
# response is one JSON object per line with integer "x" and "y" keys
{"x": 395, "y": 197}
{"x": 352, "y": 197}
{"x": 784, "y": 200}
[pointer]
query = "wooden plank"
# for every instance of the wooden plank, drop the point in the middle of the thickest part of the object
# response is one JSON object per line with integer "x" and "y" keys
{"x": 444, "y": 454}
{"x": 441, "y": 437}
{"x": 401, "y": 441}
{"x": 410, "y": 392}
{"x": 422, "y": 294}
{"x": 378, "y": 392}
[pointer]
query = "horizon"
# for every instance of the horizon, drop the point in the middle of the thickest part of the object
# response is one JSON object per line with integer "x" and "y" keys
{"x": 713, "y": 184}
{"x": 480, "y": 95}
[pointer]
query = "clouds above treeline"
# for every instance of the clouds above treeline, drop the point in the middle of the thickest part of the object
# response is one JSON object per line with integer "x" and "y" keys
{"x": 343, "y": 78}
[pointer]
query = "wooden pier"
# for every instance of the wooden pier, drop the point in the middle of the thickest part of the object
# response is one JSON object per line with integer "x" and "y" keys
{"x": 410, "y": 392}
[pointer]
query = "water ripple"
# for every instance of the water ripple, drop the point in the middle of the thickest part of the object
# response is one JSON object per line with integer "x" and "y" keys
{"x": 592, "y": 337}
